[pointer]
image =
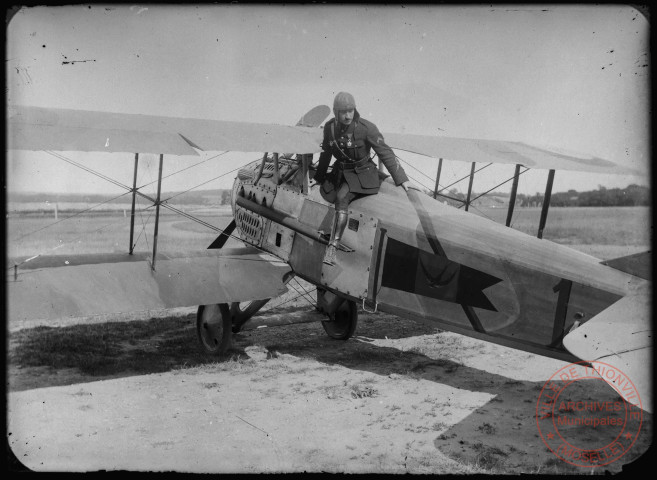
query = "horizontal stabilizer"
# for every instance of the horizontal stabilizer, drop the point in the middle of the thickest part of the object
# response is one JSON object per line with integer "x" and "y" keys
{"x": 81, "y": 285}
{"x": 620, "y": 336}
{"x": 639, "y": 264}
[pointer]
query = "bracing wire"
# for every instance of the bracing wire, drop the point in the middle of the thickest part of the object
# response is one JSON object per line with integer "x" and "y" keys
{"x": 463, "y": 202}
{"x": 129, "y": 189}
{"x": 414, "y": 168}
{"x": 487, "y": 192}
{"x": 191, "y": 217}
{"x": 287, "y": 301}
{"x": 68, "y": 218}
{"x": 206, "y": 182}
{"x": 496, "y": 186}
{"x": 186, "y": 168}
{"x": 163, "y": 203}
{"x": 463, "y": 178}
{"x": 479, "y": 210}
{"x": 428, "y": 189}
{"x": 305, "y": 295}
{"x": 419, "y": 183}
{"x": 87, "y": 169}
{"x": 141, "y": 216}
{"x": 143, "y": 226}
{"x": 67, "y": 243}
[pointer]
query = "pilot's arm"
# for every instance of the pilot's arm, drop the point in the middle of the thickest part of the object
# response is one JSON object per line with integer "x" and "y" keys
{"x": 385, "y": 154}
{"x": 324, "y": 157}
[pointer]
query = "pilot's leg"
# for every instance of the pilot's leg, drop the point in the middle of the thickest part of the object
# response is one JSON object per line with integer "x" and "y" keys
{"x": 339, "y": 222}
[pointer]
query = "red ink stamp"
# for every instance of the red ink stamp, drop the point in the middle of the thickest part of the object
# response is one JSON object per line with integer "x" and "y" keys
{"x": 582, "y": 430}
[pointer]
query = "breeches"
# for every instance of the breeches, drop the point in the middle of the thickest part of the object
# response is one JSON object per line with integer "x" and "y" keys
{"x": 344, "y": 197}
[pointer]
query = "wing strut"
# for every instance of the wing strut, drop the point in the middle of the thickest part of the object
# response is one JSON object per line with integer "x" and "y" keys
{"x": 262, "y": 167}
{"x": 276, "y": 175}
{"x": 546, "y": 203}
{"x": 305, "y": 161}
{"x": 157, "y": 210}
{"x": 472, "y": 172}
{"x": 440, "y": 167}
{"x": 512, "y": 198}
{"x": 134, "y": 197}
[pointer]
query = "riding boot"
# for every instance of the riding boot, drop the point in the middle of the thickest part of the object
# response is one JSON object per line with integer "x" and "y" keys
{"x": 339, "y": 224}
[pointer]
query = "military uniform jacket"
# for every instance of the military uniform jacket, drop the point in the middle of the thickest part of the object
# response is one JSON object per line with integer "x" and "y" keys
{"x": 351, "y": 147}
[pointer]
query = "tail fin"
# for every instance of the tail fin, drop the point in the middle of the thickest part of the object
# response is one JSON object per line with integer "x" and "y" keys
{"x": 638, "y": 264}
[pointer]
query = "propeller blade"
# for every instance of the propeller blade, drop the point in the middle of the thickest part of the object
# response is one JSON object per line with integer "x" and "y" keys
{"x": 221, "y": 240}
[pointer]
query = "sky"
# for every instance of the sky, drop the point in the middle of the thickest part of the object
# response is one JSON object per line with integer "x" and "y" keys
{"x": 570, "y": 77}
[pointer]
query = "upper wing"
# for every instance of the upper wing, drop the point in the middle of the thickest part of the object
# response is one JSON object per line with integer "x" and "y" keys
{"x": 494, "y": 151}
{"x": 35, "y": 128}
{"x": 80, "y": 285}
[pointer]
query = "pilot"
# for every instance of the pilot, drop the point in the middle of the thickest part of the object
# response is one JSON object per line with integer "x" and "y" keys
{"x": 350, "y": 138}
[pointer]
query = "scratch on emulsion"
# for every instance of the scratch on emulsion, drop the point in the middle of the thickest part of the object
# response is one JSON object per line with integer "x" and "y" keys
{"x": 71, "y": 62}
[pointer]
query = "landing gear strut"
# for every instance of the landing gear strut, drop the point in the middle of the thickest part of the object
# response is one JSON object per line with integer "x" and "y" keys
{"x": 216, "y": 323}
{"x": 240, "y": 312}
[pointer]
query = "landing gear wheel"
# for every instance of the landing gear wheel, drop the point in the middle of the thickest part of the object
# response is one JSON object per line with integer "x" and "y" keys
{"x": 240, "y": 312}
{"x": 213, "y": 328}
{"x": 343, "y": 322}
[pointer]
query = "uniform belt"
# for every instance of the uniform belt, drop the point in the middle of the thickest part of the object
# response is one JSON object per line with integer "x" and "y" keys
{"x": 356, "y": 164}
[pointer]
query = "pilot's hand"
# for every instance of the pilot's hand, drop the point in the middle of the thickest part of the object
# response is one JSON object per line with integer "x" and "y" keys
{"x": 408, "y": 184}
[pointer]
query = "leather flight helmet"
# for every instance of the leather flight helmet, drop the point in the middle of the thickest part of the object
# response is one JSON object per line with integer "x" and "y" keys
{"x": 344, "y": 101}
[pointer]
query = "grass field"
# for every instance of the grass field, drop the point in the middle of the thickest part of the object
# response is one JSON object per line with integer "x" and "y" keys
{"x": 627, "y": 226}
{"x": 401, "y": 376}
{"x": 29, "y": 235}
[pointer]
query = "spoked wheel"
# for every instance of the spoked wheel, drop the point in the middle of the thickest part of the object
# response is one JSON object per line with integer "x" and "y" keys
{"x": 213, "y": 328}
{"x": 342, "y": 323}
{"x": 240, "y": 312}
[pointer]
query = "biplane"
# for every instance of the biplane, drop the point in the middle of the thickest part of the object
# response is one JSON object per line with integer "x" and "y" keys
{"x": 409, "y": 254}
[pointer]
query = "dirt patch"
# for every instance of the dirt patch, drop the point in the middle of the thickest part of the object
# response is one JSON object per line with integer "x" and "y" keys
{"x": 399, "y": 397}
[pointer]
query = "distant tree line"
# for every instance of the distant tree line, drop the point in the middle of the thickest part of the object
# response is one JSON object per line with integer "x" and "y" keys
{"x": 630, "y": 196}
{"x": 193, "y": 197}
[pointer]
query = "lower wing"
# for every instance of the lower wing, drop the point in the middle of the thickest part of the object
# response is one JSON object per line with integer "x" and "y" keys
{"x": 81, "y": 285}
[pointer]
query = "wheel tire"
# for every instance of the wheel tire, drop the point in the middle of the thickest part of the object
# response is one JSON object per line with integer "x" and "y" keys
{"x": 212, "y": 328}
{"x": 343, "y": 322}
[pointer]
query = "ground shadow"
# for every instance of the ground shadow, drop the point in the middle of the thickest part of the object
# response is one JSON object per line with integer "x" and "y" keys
{"x": 501, "y": 434}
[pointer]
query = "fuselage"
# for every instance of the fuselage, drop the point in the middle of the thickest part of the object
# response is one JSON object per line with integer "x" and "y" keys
{"x": 417, "y": 257}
